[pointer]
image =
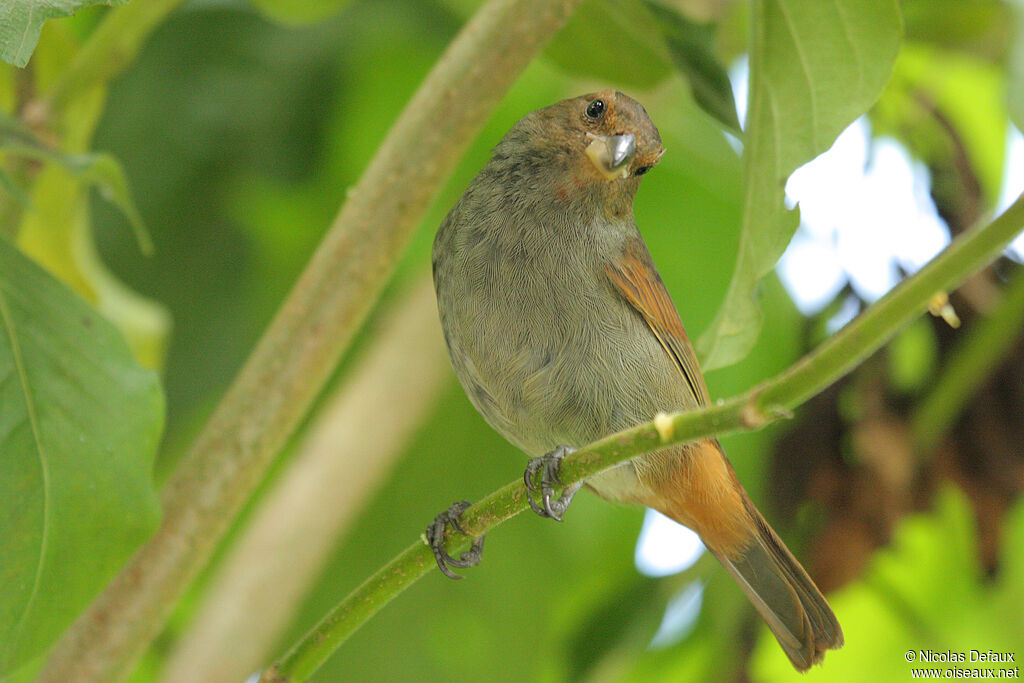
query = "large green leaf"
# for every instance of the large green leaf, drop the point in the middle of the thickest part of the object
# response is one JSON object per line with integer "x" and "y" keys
{"x": 691, "y": 46}
{"x": 22, "y": 20}
{"x": 56, "y": 232}
{"x": 815, "y": 65}
{"x": 55, "y": 226}
{"x": 79, "y": 425}
{"x": 614, "y": 41}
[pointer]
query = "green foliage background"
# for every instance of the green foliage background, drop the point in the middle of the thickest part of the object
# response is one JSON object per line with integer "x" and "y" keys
{"x": 239, "y": 127}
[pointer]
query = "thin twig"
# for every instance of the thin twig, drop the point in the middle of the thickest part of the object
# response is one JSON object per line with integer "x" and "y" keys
{"x": 765, "y": 403}
{"x": 287, "y": 369}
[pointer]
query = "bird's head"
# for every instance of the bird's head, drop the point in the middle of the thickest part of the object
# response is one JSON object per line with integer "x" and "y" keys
{"x": 592, "y": 147}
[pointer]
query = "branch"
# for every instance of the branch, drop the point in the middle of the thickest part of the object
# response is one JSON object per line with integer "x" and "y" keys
{"x": 287, "y": 369}
{"x": 754, "y": 409}
{"x": 348, "y": 448}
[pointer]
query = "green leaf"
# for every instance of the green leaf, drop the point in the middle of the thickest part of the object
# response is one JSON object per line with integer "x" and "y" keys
{"x": 612, "y": 40}
{"x": 22, "y": 20}
{"x": 948, "y": 109}
{"x": 975, "y": 27}
{"x": 78, "y": 433}
{"x": 1015, "y": 68}
{"x": 98, "y": 170}
{"x": 8, "y": 185}
{"x": 912, "y": 356}
{"x": 690, "y": 46}
{"x": 57, "y": 234}
{"x": 815, "y": 65}
{"x": 105, "y": 173}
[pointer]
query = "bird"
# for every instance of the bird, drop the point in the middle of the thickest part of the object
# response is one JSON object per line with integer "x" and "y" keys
{"x": 561, "y": 331}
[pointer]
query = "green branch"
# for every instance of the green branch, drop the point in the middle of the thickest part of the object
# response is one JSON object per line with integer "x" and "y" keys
{"x": 754, "y": 409}
{"x": 296, "y": 355}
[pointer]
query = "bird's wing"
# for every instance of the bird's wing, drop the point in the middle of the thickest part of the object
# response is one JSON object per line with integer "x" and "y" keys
{"x": 633, "y": 274}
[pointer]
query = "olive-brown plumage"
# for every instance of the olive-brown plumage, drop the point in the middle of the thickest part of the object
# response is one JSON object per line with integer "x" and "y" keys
{"x": 561, "y": 331}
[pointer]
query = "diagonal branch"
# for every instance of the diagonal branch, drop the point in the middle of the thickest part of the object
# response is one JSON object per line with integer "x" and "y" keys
{"x": 297, "y": 353}
{"x": 765, "y": 403}
{"x": 347, "y": 449}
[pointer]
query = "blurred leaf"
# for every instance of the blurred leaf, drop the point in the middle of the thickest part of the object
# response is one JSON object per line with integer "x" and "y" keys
{"x": 979, "y": 27}
{"x": 56, "y": 233}
{"x": 612, "y": 40}
{"x": 104, "y": 172}
{"x": 98, "y": 170}
{"x": 22, "y": 20}
{"x": 815, "y": 66}
{"x": 690, "y": 46}
{"x": 1009, "y": 593}
{"x": 28, "y": 671}
{"x": 912, "y": 356}
{"x": 460, "y": 8}
{"x": 713, "y": 651}
{"x": 949, "y": 109}
{"x": 8, "y": 185}
{"x": 1015, "y": 68}
{"x": 14, "y": 132}
{"x": 925, "y": 592}
{"x": 8, "y": 91}
{"x": 78, "y": 433}
{"x": 298, "y": 12}
{"x": 624, "y": 616}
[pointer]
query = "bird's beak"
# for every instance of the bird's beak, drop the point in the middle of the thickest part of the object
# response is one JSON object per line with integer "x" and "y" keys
{"x": 611, "y": 154}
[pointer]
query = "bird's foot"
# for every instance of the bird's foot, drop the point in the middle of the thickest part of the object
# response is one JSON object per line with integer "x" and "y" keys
{"x": 548, "y": 465}
{"x": 435, "y": 539}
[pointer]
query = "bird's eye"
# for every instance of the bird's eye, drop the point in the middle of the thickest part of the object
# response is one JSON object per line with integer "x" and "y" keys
{"x": 595, "y": 110}
{"x": 640, "y": 171}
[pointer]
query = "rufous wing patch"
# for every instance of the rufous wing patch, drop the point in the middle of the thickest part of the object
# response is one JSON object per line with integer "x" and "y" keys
{"x": 636, "y": 278}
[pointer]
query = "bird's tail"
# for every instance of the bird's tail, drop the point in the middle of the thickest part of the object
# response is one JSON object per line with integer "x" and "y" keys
{"x": 704, "y": 494}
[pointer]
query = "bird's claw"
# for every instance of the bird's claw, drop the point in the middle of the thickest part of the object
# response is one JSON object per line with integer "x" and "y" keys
{"x": 435, "y": 536}
{"x": 548, "y": 465}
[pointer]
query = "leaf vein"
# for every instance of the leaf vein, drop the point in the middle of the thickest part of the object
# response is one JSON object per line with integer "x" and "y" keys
{"x": 854, "y": 48}
{"x": 805, "y": 68}
{"x": 44, "y": 465}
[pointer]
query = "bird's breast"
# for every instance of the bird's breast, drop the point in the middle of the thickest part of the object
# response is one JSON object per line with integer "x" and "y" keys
{"x": 546, "y": 350}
